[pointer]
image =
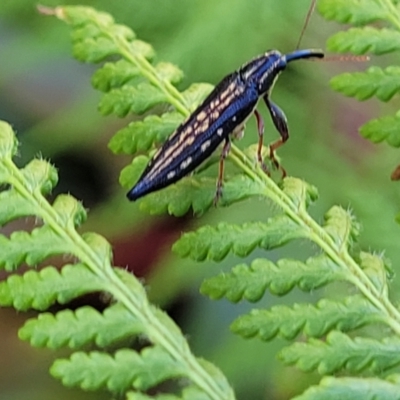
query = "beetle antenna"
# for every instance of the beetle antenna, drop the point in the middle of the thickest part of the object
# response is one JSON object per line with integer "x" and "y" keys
{"x": 307, "y": 20}
{"x": 345, "y": 57}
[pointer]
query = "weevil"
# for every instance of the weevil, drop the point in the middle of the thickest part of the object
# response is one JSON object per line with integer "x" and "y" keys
{"x": 222, "y": 115}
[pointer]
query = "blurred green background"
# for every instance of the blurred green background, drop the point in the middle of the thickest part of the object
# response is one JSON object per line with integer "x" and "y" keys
{"x": 47, "y": 97}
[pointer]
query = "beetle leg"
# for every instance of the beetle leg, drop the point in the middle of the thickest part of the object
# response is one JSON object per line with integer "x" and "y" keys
{"x": 280, "y": 122}
{"x": 224, "y": 154}
{"x": 260, "y": 129}
{"x": 238, "y": 132}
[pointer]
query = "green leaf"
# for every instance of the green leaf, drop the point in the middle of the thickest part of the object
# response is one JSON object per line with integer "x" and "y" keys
{"x": 70, "y": 212}
{"x": 131, "y": 99}
{"x": 38, "y": 175}
{"x": 374, "y": 266}
{"x": 339, "y": 352}
{"x": 100, "y": 248}
{"x": 250, "y": 283}
{"x": 8, "y": 142}
{"x": 198, "y": 194}
{"x": 130, "y": 174}
{"x": 135, "y": 286}
{"x": 121, "y": 371}
{"x": 94, "y": 50}
{"x": 352, "y": 389}
{"x": 14, "y": 206}
{"x": 355, "y": 12}
{"x": 383, "y": 84}
{"x": 195, "y": 94}
{"x": 301, "y": 193}
{"x": 142, "y": 135}
{"x": 86, "y": 325}
{"x": 95, "y": 36}
{"x": 41, "y": 289}
{"x": 383, "y": 129}
{"x": 312, "y": 320}
{"x": 31, "y": 248}
{"x": 142, "y": 49}
{"x": 341, "y": 226}
{"x": 365, "y": 40}
{"x": 113, "y": 75}
{"x": 215, "y": 243}
{"x": 190, "y": 193}
{"x": 79, "y": 16}
{"x": 169, "y": 72}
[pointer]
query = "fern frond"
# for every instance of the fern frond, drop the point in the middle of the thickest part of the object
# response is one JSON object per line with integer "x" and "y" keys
{"x": 250, "y": 283}
{"x": 357, "y": 12}
{"x": 133, "y": 84}
{"x": 75, "y": 329}
{"x": 339, "y": 352}
{"x": 39, "y": 290}
{"x": 114, "y": 74}
{"x": 313, "y": 320}
{"x": 131, "y": 99}
{"x": 365, "y": 40}
{"x": 385, "y": 128}
{"x": 167, "y": 356}
{"x": 341, "y": 226}
{"x": 382, "y": 83}
{"x": 35, "y": 245}
{"x": 124, "y": 370}
{"x": 354, "y": 389}
{"x": 377, "y": 269}
{"x": 140, "y": 136}
{"x": 196, "y": 193}
{"x": 215, "y": 243}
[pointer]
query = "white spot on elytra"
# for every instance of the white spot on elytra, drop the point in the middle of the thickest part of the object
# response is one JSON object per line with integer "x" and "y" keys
{"x": 234, "y": 118}
{"x": 220, "y": 131}
{"x": 170, "y": 175}
{"x": 205, "y": 145}
{"x": 185, "y": 163}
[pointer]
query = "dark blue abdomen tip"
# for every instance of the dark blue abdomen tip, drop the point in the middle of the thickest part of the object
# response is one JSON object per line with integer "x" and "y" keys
{"x": 132, "y": 196}
{"x": 137, "y": 191}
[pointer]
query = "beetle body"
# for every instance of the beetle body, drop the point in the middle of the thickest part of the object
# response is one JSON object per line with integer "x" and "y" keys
{"x": 222, "y": 114}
